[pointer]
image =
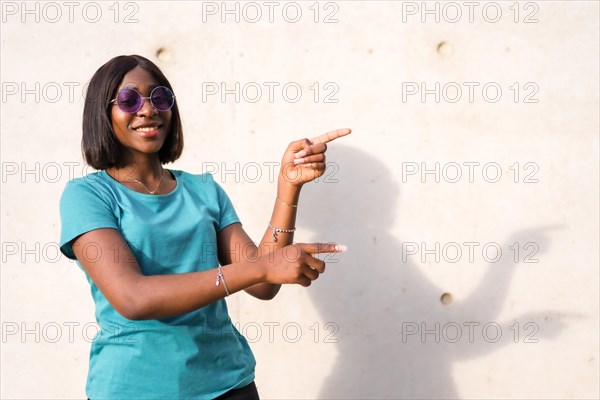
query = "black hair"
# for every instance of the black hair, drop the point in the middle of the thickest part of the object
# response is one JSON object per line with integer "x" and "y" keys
{"x": 99, "y": 145}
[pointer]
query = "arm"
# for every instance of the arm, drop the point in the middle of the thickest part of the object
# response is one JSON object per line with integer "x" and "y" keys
{"x": 303, "y": 161}
{"x": 284, "y": 217}
{"x": 113, "y": 268}
{"x": 135, "y": 296}
{"x": 235, "y": 237}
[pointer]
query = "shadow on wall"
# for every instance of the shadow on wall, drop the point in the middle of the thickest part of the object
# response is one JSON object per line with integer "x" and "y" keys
{"x": 383, "y": 305}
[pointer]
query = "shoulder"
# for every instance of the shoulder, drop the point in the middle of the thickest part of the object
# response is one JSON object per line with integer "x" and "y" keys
{"x": 86, "y": 180}
{"x": 89, "y": 187}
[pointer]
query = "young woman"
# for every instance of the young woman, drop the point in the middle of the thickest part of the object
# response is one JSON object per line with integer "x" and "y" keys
{"x": 162, "y": 248}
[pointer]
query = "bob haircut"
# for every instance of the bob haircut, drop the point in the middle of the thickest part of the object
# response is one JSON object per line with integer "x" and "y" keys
{"x": 99, "y": 145}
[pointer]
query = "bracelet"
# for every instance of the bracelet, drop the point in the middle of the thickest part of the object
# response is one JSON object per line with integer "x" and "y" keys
{"x": 277, "y": 230}
{"x": 288, "y": 204}
{"x": 221, "y": 277}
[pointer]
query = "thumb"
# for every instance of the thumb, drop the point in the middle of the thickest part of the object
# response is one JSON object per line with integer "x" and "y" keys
{"x": 299, "y": 145}
{"x": 316, "y": 248}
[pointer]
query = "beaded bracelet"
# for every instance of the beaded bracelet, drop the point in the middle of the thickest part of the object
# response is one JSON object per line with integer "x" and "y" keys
{"x": 277, "y": 230}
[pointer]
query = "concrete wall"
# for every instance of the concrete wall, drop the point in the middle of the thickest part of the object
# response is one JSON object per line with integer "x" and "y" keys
{"x": 474, "y": 134}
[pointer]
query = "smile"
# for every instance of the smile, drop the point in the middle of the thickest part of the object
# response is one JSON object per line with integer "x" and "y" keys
{"x": 147, "y": 128}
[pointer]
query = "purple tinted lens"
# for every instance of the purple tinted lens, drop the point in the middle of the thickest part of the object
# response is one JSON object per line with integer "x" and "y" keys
{"x": 129, "y": 100}
{"x": 162, "y": 98}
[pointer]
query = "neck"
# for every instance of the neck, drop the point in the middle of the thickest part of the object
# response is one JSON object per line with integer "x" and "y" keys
{"x": 145, "y": 169}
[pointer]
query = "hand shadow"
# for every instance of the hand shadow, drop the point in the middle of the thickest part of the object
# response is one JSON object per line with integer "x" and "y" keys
{"x": 377, "y": 299}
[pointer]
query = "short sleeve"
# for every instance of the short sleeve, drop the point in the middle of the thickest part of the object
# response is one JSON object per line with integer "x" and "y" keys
{"x": 227, "y": 215}
{"x": 82, "y": 209}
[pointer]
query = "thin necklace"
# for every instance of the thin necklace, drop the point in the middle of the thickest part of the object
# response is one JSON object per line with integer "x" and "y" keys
{"x": 148, "y": 190}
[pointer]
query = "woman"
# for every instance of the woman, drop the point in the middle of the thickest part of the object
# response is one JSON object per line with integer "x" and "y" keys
{"x": 150, "y": 241}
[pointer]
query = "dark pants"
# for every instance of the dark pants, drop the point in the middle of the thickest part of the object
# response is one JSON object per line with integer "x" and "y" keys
{"x": 246, "y": 393}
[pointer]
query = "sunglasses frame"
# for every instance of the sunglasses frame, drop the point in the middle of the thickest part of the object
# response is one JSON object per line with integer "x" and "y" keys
{"x": 143, "y": 99}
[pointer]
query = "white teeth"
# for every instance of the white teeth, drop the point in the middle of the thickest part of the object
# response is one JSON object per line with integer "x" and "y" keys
{"x": 147, "y": 129}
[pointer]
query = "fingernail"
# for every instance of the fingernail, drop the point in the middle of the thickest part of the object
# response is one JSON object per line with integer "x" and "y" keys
{"x": 300, "y": 154}
{"x": 341, "y": 247}
{"x": 299, "y": 161}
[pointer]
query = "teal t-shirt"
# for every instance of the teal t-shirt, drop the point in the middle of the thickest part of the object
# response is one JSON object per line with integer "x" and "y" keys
{"x": 198, "y": 355}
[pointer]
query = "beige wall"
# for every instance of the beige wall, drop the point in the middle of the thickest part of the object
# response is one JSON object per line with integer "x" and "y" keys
{"x": 374, "y": 325}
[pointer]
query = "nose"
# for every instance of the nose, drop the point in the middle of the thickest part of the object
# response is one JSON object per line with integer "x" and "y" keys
{"x": 147, "y": 108}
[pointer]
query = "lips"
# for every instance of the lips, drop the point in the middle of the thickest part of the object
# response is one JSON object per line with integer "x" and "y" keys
{"x": 148, "y": 129}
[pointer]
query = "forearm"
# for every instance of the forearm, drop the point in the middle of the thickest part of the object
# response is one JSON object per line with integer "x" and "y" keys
{"x": 162, "y": 296}
{"x": 282, "y": 217}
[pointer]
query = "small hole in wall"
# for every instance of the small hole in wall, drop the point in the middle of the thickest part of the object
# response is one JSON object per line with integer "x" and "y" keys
{"x": 444, "y": 48}
{"x": 446, "y": 299}
{"x": 163, "y": 54}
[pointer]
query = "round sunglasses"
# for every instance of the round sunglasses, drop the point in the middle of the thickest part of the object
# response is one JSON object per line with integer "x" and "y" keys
{"x": 130, "y": 100}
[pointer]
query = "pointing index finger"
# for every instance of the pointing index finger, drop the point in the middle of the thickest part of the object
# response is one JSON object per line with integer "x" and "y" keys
{"x": 316, "y": 248}
{"x": 332, "y": 135}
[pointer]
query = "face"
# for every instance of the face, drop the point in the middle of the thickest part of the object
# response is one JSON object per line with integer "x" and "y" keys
{"x": 145, "y": 131}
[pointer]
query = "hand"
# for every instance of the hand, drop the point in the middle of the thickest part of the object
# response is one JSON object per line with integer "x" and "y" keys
{"x": 295, "y": 263}
{"x": 304, "y": 160}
